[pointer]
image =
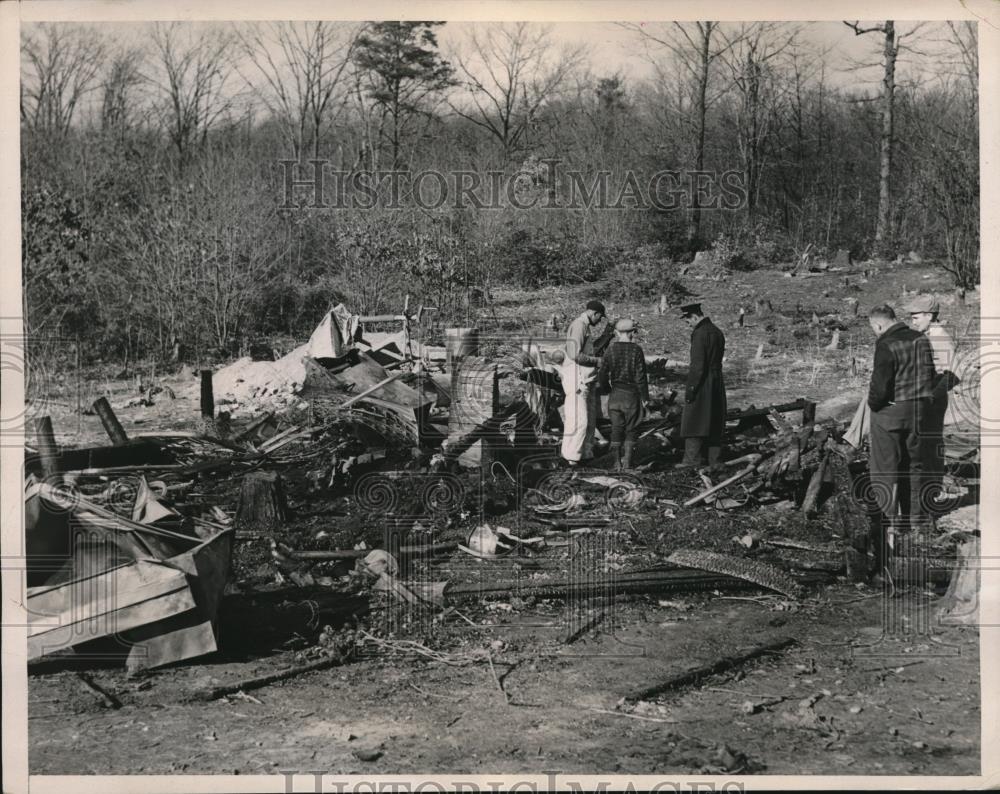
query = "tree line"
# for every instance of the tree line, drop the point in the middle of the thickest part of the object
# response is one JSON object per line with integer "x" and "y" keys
{"x": 152, "y": 184}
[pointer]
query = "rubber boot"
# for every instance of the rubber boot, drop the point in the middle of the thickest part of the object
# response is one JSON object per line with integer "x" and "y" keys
{"x": 692, "y": 453}
{"x": 877, "y": 544}
{"x": 714, "y": 457}
{"x": 627, "y": 449}
{"x": 616, "y": 455}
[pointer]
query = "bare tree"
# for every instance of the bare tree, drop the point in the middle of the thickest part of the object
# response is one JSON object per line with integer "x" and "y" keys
{"x": 510, "y": 71}
{"x": 695, "y": 46}
{"x": 194, "y": 70}
{"x": 300, "y": 69}
{"x": 964, "y": 39}
{"x": 60, "y": 66}
{"x": 122, "y": 76}
{"x": 892, "y": 42}
{"x": 754, "y": 49}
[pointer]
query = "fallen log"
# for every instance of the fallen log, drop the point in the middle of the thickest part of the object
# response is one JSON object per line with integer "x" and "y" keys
{"x": 695, "y": 675}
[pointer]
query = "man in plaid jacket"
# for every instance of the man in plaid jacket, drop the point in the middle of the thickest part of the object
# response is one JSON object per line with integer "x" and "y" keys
{"x": 899, "y": 396}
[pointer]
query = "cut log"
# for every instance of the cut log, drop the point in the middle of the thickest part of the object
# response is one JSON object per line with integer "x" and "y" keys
{"x": 815, "y": 483}
{"x": 262, "y": 507}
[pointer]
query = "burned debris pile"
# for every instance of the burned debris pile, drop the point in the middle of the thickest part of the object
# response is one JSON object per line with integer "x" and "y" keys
{"x": 371, "y": 474}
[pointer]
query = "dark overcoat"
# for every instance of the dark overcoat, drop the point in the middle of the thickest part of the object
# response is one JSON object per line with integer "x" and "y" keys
{"x": 705, "y": 394}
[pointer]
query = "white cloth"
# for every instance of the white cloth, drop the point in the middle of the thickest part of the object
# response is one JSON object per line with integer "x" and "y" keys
{"x": 335, "y": 335}
{"x": 860, "y": 425}
{"x": 580, "y": 411}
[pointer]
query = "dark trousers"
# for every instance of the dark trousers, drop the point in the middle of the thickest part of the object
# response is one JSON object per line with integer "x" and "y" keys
{"x": 934, "y": 445}
{"x": 898, "y": 458}
{"x": 624, "y": 410}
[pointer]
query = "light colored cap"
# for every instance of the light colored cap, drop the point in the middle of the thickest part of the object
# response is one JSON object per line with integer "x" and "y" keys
{"x": 625, "y": 325}
{"x": 923, "y": 303}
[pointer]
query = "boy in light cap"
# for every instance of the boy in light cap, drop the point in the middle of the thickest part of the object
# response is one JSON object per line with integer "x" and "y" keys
{"x": 623, "y": 372}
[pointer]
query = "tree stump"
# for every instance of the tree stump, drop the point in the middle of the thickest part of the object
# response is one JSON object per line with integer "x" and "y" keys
{"x": 262, "y": 507}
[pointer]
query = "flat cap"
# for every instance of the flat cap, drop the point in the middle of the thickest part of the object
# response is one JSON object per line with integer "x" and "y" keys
{"x": 625, "y": 325}
{"x": 923, "y": 303}
{"x": 596, "y": 306}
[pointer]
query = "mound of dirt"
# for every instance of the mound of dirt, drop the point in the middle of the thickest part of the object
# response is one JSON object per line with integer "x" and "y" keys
{"x": 250, "y": 387}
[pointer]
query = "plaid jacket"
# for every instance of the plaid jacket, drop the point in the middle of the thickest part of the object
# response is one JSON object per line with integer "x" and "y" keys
{"x": 624, "y": 364}
{"x": 903, "y": 369}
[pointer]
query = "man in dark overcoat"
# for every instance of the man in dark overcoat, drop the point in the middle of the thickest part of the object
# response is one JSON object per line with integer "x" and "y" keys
{"x": 704, "y": 420}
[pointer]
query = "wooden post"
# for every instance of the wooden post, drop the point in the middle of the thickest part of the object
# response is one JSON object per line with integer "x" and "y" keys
{"x": 47, "y": 450}
{"x": 207, "y": 398}
{"x": 808, "y": 413}
{"x": 111, "y": 424}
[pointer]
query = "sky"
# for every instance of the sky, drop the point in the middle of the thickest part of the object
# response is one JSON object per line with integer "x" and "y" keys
{"x": 611, "y": 49}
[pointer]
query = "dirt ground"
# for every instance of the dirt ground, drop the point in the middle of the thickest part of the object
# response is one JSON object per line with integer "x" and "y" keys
{"x": 904, "y": 705}
{"x": 845, "y": 698}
